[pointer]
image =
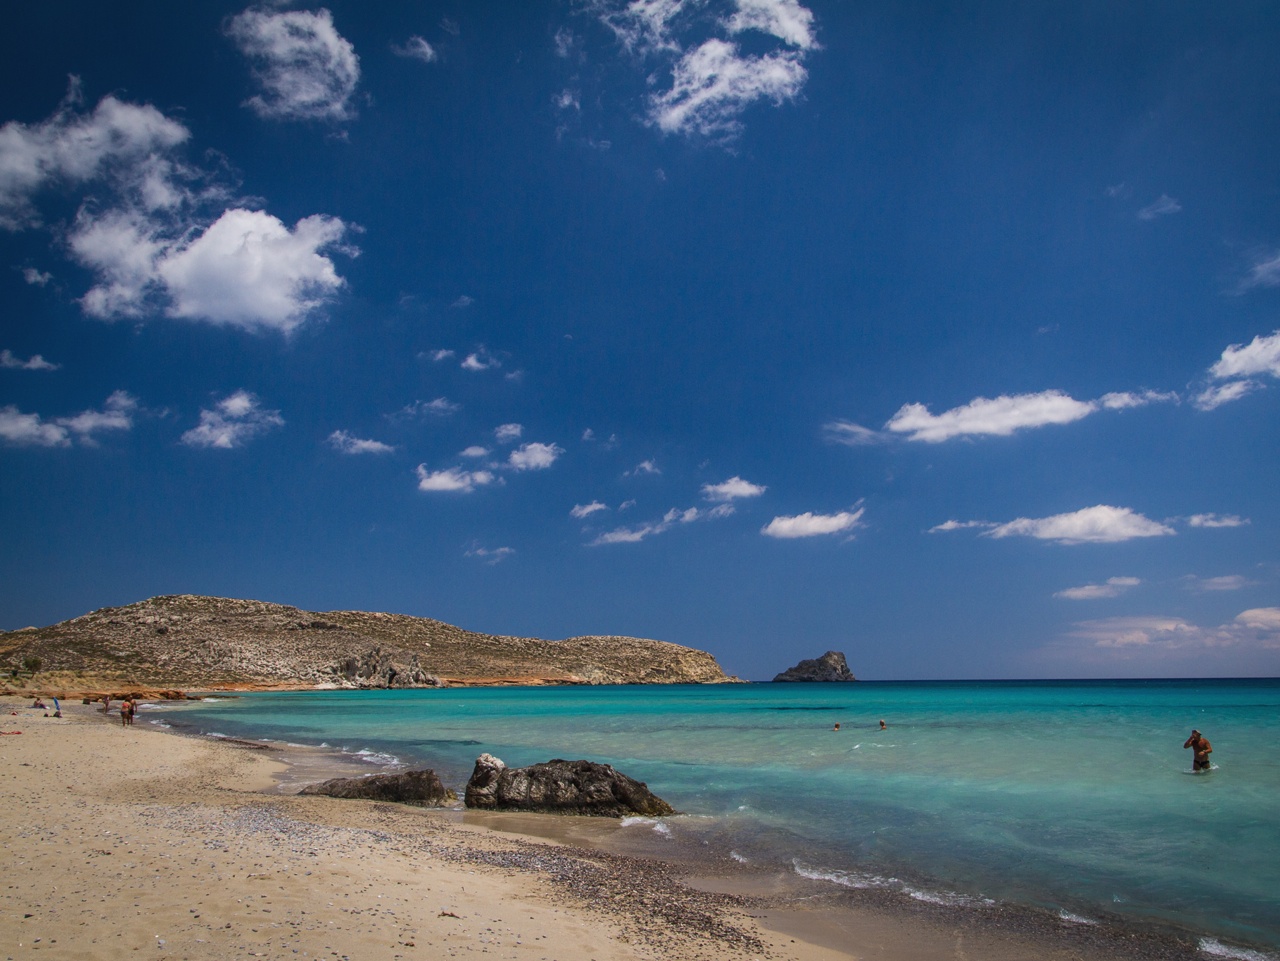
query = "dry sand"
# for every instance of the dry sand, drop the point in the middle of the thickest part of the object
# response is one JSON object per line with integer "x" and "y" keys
{"x": 131, "y": 842}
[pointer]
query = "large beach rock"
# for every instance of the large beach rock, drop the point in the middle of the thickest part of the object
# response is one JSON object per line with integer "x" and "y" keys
{"x": 409, "y": 787}
{"x": 831, "y": 666}
{"x": 561, "y": 787}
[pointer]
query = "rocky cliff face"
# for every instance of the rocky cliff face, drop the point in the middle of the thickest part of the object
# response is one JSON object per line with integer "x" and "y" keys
{"x": 831, "y": 666}
{"x": 210, "y": 643}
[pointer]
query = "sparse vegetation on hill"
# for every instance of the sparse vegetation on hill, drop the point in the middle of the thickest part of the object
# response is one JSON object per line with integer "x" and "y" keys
{"x": 189, "y": 642}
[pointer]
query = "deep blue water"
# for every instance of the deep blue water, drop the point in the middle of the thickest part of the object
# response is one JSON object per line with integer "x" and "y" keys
{"x": 1071, "y": 795}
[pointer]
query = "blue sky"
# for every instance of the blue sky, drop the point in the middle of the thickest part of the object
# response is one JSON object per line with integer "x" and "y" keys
{"x": 946, "y": 337}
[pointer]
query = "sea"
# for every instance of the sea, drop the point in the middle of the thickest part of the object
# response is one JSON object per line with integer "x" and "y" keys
{"x": 1074, "y": 798}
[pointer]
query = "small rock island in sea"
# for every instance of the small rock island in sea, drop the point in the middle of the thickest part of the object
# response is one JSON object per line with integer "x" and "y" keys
{"x": 831, "y": 666}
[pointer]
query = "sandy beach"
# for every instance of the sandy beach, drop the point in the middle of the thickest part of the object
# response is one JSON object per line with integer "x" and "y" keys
{"x": 126, "y": 840}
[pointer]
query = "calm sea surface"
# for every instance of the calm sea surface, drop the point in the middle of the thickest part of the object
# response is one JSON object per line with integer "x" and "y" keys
{"x": 1075, "y": 796}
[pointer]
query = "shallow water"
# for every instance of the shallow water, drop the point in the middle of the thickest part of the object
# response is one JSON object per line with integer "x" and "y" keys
{"x": 1075, "y": 796}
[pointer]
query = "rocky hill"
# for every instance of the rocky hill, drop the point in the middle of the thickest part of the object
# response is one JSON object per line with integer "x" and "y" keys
{"x": 193, "y": 643}
{"x": 831, "y": 666}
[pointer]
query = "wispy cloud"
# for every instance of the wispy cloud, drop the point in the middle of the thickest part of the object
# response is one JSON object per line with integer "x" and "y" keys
{"x": 644, "y": 467}
{"x": 490, "y": 555}
{"x": 579, "y": 511}
{"x": 508, "y": 433}
{"x": 850, "y": 434}
{"x": 453, "y": 479}
{"x": 440, "y": 407}
{"x": 305, "y": 68}
{"x": 232, "y": 422}
{"x": 713, "y": 81}
{"x": 810, "y": 524}
{"x": 1217, "y": 520}
{"x": 36, "y": 362}
{"x": 345, "y": 443}
{"x": 1113, "y": 587}
{"x": 1260, "y": 626}
{"x": 1162, "y": 206}
{"x": 1214, "y": 585}
{"x": 1009, "y": 413}
{"x": 1238, "y": 365}
{"x": 1263, "y": 272}
{"x": 672, "y": 518}
{"x": 37, "y": 278}
{"x": 31, "y": 430}
{"x": 480, "y": 360}
{"x": 415, "y": 48}
{"x": 732, "y": 489}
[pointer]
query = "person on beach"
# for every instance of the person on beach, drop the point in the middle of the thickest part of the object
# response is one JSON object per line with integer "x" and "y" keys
{"x": 1201, "y": 749}
{"x": 126, "y": 712}
{"x": 883, "y": 725}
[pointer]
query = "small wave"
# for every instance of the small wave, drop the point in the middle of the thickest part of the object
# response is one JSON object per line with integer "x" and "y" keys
{"x": 658, "y": 826}
{"x": 946, "y": 898}
{"x": 1216, "y": 949}
{"x": 376, "y": 757}
{"x": 741, "y": 859}
{"x": 847, "y": 879}
{"x": 1067, "y": 916}
{"x": 159, "y": 723}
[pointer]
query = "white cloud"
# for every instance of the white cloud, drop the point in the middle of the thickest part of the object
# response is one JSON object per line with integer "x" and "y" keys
{"x": 249, "y": 270}
{"x": 732, "y": 489}
{"x": 480, "y": 360}
{"x": 1261, "y": 619}
{"x": 452, "y": 479}
{"x": 1260, "y": 356}
{"x": 644, "y": 467}
{"x": 462, "y": 301}
{"x": 954, "y": 525}
{"x": 1162, "y": 206}
{"x": 643, "y": 27}
{"x": 415, "y": 48}
{"x": 340, "y": 440}
{"x": 35, "y": 277}
{"x": 1100, "y": 524}
{"x": 850, "y": 434}
{"x": 474, "y": 451}
{"x": 1212, "y": 398}
{"x": 1000, "y": 416}
{"x": 713, "y": 84}
{"x": 1114, "y": 587}
{"x": 440, "y": 407}
{"x": 29, "y": 430}
{"x": 118, "y": 141}
{"x": 784, "y": 19}
{"x": 534, "y": 456}
{"x": 568, "y": 99}
{"x": 36, "y": 362}
{"x": 580, "y": 511}
{"x": 1206, "y": 585}
{"x": 1217, "y": 520}
{"x": 233, "y": 421}
{"x": 490, "y": 555}
{"x": 508, "y": 433}
{"x": 1258, "y": 626}
{"x": 306, "y": 69}
{"x": 1123, "y": 400}
{"x": 116, "y": 414}
{"x": 672, "y": 518}
{"x": 1265, "y": 272}
{"x": 439, "y": 355}
{"x": 809, "y": 524}
{"x": 156, "y": 232}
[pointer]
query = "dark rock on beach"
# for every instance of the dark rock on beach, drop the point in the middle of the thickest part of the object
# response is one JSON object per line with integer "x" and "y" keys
{"x": 561, "y": 787}
{"x": 831, "y": 666}
{"x": 410, "y": 787}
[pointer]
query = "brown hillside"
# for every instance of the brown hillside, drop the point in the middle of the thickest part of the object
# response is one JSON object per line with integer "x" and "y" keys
{"x": 188, "y": 642}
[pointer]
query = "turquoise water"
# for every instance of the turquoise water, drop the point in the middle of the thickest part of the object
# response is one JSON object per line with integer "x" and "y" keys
{"x": 1076, "y": 796}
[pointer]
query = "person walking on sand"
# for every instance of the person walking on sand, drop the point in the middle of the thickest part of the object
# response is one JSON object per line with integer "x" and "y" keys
{"x": 1201, "y": 749}
{"x": 126, "y": 711}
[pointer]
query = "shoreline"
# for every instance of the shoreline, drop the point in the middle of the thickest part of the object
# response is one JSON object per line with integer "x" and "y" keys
{"x": 638, "y": 899}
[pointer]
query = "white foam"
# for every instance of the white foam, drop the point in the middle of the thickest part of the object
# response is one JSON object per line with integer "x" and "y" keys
{"x": 1216, "y": 949}
{"x": 739, "y": 858}
{"x": 658, "y": 826}
{"x": 376, "y": 757}
{"x": 1074, "y": 918}
{"x": 847, "y": 879}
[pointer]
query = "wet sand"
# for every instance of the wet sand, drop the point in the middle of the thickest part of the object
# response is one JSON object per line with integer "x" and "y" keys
{"x": 119, "y": 841}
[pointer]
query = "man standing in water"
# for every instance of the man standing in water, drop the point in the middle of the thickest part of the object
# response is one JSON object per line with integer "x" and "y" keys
{"x": 1202, "y": 748}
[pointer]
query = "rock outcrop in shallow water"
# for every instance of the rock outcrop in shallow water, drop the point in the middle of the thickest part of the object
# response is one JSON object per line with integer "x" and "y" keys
{"x": 561, "y": 787}
{"x": 193, "y": 643}
{"x": 408, "y": 787}
{"x": 831, "y": 666}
